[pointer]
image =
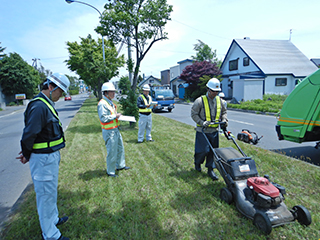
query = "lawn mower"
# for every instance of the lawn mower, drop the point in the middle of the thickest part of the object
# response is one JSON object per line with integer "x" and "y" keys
{"x": 255, "y": 197}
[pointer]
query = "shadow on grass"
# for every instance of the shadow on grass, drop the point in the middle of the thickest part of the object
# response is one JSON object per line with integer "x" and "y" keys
{"x": 135, "y": 220}
{"x": 307, "y": 154}
{"x": 91, "y": 174}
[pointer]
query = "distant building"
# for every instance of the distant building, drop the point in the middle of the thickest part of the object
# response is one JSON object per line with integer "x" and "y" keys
{"x": 175, "y": 72}
{"x": 252, "y": 68}
{"x": 151, "y": 80}
{"x": 165, "y": 77}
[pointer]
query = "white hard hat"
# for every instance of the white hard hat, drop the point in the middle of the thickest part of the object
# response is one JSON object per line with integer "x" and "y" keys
{"x": 146, "y": 87}
{"x": 221, "y": 94}
{"x": 108, "y": 86}
{"x": 60, "y": 80}
{"x": 214, "y": 84}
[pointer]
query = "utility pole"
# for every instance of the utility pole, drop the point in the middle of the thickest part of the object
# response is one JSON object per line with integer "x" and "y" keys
{"x": 290, "y": 35}
{"x": 35, "y": 64}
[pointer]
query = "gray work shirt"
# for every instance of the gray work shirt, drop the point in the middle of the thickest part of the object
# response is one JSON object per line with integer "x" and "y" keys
{"x": 199, "y": 116}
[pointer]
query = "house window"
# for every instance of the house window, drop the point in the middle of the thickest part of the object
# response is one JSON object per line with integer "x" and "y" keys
{"x": 151, "y": 81}
{"x": 233, "y": 65}
{"x": 281, "y": 81}
{"x": 246, "y": 61}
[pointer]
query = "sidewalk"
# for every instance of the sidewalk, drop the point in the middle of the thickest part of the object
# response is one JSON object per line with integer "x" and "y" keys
{"x": 11, "y": 109}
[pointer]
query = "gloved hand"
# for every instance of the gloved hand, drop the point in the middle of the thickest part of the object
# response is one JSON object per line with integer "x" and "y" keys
{"x": 223, "y": 126}
{"x": 205, "y": 124}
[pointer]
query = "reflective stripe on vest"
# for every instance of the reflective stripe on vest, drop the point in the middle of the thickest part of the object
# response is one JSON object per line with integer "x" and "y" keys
{"x": 51, "y": 143}
{"x": 114, "y": 123}
{"x": 145, "y": 110}
{"x": 49, "y": 106}
{"x": 207, "y": 110}
{"x": 48, "y": 144}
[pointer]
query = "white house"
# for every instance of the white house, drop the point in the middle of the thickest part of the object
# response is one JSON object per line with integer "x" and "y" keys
{"x": 252, "y": 68}
{"x": 151, "y": 80}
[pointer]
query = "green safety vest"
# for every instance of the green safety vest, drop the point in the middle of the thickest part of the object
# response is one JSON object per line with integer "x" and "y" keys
{"x": 51, "y": 143}
{"x": 207, "y": 110}
{"x": 145, "y": 110}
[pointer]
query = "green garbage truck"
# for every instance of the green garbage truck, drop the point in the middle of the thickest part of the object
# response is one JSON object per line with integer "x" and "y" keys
{"x": 299, "y": 119}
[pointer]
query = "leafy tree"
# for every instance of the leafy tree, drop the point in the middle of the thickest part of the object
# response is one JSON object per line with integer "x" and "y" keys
{"x": 140, "y": 79}
{"x": 197, "y": 75}
{"x": 129, "y": 105}
{"x": 124, "y": 84}
{"x": 205, "y": 53}
{"x": 87, "y": 61}
{"x": 17, "y": 76}
{"x": 1, "y": 51}
{"x": 74, "y": 85}
{"x": 140, "y": 23}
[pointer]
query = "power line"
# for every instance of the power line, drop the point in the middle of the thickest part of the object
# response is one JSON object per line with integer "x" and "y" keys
{"x": 200, "y": 30}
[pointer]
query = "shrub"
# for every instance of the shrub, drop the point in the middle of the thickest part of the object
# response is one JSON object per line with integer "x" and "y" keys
{"x": 129, "y": 105}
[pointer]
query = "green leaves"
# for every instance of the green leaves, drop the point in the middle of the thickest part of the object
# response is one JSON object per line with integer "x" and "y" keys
{"x": 142, "y": 21}
{"x": 86, "y": 59}
{"x": 17, "y": 76}
{"x": 204, "y": 53}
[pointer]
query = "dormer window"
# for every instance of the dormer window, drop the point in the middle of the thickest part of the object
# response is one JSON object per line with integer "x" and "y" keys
{"x": 233, "y": 65}
{"x": 246, "y": 61}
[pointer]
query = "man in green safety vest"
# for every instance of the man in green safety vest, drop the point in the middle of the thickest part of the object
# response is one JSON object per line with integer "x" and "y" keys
{"x": 205, "y": 110}
{"x": 41, "y": 141}
{"x": 145, "y": 117}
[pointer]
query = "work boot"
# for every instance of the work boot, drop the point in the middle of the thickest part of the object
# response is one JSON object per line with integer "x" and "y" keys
{"x": 197, "y": 167}
{"x": 212, "y": 175}
{"x": 62, "y": 220}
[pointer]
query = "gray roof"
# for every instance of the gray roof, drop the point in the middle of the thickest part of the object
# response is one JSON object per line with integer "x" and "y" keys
{"x": 147, "y": 78}
{"x": 316, "y": 61}
{"x": 277, "y": 57}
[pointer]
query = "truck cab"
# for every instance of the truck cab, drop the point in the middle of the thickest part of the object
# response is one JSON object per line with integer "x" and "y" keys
{"x": 164, "y": 98}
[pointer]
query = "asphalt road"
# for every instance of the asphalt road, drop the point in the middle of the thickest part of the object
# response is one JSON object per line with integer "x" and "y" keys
{"x": 15, "y": 176}
{"x": 263, "y": 125}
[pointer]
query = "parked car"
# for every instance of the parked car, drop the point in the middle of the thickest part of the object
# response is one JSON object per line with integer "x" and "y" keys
{"x": 67, "y": 98}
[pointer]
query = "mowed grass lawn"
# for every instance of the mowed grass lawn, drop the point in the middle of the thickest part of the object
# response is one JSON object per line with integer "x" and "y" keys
{"x": 161, "y": 196}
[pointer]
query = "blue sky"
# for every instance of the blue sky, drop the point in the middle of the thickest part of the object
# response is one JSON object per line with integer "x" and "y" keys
{"x": 41, "y": 28}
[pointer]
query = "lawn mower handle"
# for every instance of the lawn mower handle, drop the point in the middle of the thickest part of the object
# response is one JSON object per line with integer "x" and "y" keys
{"x": 228, "y": 135}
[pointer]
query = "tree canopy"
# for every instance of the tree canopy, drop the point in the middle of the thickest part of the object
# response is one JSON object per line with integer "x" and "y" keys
{"x": 124, "y": 84}
{"x": 1, "y": 51}
{"x": 17, "y": 76}
{"x": 86, "y": 60}
{"x": 204, "y": 53}
{"x": 138, "y": 23}
{"x": 197, "y": 75}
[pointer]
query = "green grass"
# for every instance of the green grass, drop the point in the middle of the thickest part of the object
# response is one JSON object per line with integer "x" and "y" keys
{"x": 270, "y": 103}
{"x": 161, "y": 197}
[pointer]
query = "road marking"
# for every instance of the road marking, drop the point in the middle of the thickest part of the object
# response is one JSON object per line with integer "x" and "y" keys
{"x": 241, "y": 122}
{"x": 7, "y": 114}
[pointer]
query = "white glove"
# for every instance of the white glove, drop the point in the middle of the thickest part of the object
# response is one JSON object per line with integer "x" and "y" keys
{"x": 206, "y": 123}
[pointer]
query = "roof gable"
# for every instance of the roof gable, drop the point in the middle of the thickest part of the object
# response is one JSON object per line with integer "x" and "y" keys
{"x": 148, "y": 78}
{"x": 275, "y": 56}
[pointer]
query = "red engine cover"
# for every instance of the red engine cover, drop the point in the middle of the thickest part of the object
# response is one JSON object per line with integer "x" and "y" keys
{"x": 263, "y": 186}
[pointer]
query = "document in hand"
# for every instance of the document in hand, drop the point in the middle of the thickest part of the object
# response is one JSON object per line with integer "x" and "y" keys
{"x": 153, "y": 103}
{"x": 127, "y": 118}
